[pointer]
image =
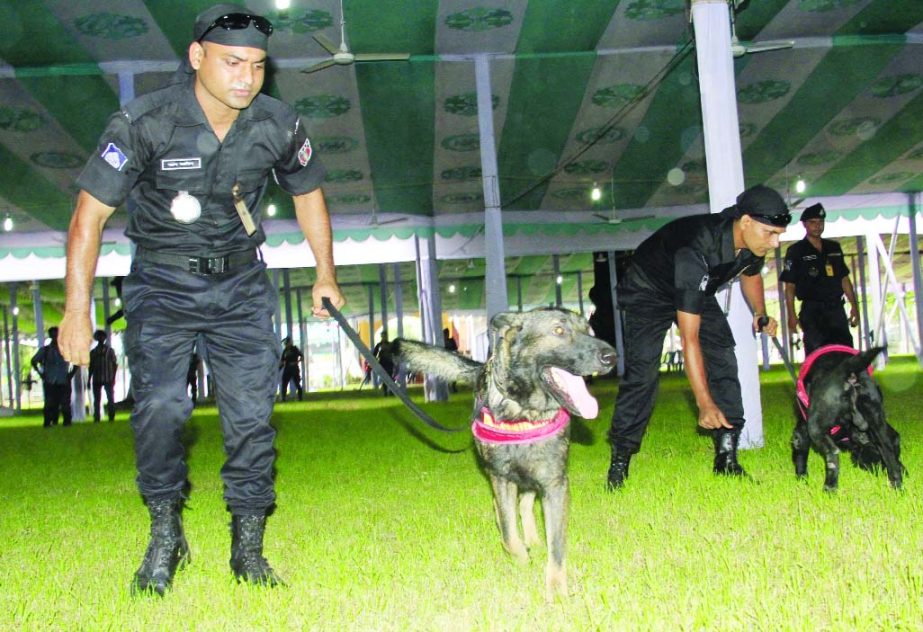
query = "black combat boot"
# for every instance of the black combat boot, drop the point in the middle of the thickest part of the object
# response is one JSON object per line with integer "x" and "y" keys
{"x": 618, "y": 468}
{"x": 726, "y": 452}
{"x": 166, "y": 551}
{"x": 247, "y": 559}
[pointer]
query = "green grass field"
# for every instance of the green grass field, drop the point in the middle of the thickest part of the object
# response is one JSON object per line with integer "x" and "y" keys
{"x": 383, "y": 524}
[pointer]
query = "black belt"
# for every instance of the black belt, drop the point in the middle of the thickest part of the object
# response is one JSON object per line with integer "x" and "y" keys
{"x": 817, "y": 301}
{"x": 199, "y": 265}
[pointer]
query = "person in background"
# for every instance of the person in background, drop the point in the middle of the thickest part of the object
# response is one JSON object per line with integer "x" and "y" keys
{"x": 102, "y": 370}
{"x": 385, "y": 357}
{"x": 291, "y": 368}
{"x": 816, "y": 274}
{"x": 56, "y": 376}
{"x": 195, "y": 158}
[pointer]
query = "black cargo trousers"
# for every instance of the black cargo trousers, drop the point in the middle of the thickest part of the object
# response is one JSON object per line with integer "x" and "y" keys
{"x": 824, "y": 323}
{"x": 166, "y": 309}
{"x": 646, "y": 323}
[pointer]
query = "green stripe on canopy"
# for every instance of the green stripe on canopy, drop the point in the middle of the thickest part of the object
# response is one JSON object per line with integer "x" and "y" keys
{"x": 81, "y": 104}
{"x": 410, "y": 26}
{"x": 398, "y": 113}
{"x": 26, "y": 188}
{"x": 21, "y": 22}
{"x": 672, "y": 123}
{"x": 545, "y": 97}
{"x": 843, "y": 74}
{"x": 564, "y": 25}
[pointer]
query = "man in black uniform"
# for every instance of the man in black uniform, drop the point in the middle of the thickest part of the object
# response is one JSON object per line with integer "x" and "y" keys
{"x": 194, "y": 157}
{"x": 102, "y": 371}
{"x": 673, "y": 277}
{"x": 291, "y": 373}
{"x": 56, "y": 380}
{"x": 816, "y": 273}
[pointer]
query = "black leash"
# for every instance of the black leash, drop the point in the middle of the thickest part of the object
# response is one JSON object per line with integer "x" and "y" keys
{"x": 380, "y": 370}
{"x": 762, "y": 322}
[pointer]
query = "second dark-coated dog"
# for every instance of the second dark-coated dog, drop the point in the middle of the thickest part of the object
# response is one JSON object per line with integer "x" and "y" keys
{"x": 846, "y": 412}
{"x": 525, "y": 393}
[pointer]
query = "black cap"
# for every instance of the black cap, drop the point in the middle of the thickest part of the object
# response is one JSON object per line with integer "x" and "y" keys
{"x": 764, "y": 205}
{"x": 815, "y": 211}
{"x": 250, "y": 37}
{"x": 99, "y": 335}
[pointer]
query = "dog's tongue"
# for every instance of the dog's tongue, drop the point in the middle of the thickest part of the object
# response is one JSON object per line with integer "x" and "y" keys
{"x": 575, "y": 388}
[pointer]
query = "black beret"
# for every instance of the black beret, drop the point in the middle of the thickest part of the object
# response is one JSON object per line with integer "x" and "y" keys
{"x": 815, "y": 211}
{"x": 764, "y": 205}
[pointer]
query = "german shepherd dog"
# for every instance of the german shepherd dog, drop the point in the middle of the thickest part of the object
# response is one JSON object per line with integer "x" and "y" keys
{"x": 844, "y": 412}
{"x": 525, "y": 393}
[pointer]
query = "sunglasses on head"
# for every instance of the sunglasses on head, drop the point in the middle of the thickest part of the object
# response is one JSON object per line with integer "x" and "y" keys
{"x": 237, "y": 22}
{"x": 780, "y": 219}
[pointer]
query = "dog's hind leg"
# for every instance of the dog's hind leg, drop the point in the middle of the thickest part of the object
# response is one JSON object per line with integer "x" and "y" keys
{"x": 505, "y": 496}
{"x": 554, "y": 506}
{"x": 801, "y": 447}
{"x": 527, "y": 517}
{"x": 827, "y": 447}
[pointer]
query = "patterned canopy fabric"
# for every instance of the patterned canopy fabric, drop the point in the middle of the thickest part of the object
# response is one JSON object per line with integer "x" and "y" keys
{"x": 584, "y": 93}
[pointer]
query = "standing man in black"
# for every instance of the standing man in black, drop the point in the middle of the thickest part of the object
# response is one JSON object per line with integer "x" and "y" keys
{"x": 195, "y": 158}
{"x": 56, "y": 380}
{"x": 291, "y": 372}
{"x": 816, "y": 273}
{"x": 103, "y": 366}
{"x": 673, "y": 277}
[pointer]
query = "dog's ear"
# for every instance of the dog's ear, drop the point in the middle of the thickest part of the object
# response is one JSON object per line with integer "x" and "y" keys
{"x": 503, "y": 326}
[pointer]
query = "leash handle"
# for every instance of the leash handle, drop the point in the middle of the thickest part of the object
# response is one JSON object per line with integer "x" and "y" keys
{"x": 380, "y": 370}
{"x": 761, "y": 323}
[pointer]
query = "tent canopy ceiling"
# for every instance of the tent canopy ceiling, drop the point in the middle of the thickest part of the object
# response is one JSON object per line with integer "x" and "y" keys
{"x": 583, "y": 92}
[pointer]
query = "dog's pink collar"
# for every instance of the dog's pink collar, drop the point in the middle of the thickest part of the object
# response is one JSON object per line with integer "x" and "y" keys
{"x": 488, "y": 429}
{"x": 809, "y": 362}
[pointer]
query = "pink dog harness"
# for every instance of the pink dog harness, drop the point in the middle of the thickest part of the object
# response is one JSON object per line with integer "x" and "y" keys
{"x": 803, "y": 399}
{"x": 488, "y": 429}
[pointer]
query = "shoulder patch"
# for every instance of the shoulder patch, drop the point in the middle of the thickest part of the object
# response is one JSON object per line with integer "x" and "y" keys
{"x": 304, "y": 154}
{"x": 114, "y": 156}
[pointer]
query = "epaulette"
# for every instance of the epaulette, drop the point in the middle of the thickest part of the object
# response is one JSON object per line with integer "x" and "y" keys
{"x": 150, "y": 102}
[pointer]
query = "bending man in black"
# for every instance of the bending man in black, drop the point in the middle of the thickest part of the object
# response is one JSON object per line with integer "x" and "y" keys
{"x": 195, "y": 158}
{"x": 673, "y": 277}
{"x": 816, "y": 273}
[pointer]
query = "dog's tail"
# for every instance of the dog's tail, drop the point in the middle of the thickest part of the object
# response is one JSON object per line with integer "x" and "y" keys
{"x": 436, "y": 361}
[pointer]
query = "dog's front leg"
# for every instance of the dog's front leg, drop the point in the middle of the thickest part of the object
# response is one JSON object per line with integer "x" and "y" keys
{"x": 554, "y": 506}
{"x": 505, "y": 495}
{"x": 801, "y": 447}
{"x": 527, "y": 517}
{"x": 827, "y": 447}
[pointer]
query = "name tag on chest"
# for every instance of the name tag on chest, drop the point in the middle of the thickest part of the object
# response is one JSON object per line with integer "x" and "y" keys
{"x": 179, "y": 164}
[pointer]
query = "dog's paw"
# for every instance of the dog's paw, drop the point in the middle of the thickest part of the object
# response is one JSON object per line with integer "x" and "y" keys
{"x": 555, "y": 584}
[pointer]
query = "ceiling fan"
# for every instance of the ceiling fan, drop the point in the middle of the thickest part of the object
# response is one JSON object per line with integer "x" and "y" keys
{"x": 738, "y": 49}
{"x": 341, "y": 55}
